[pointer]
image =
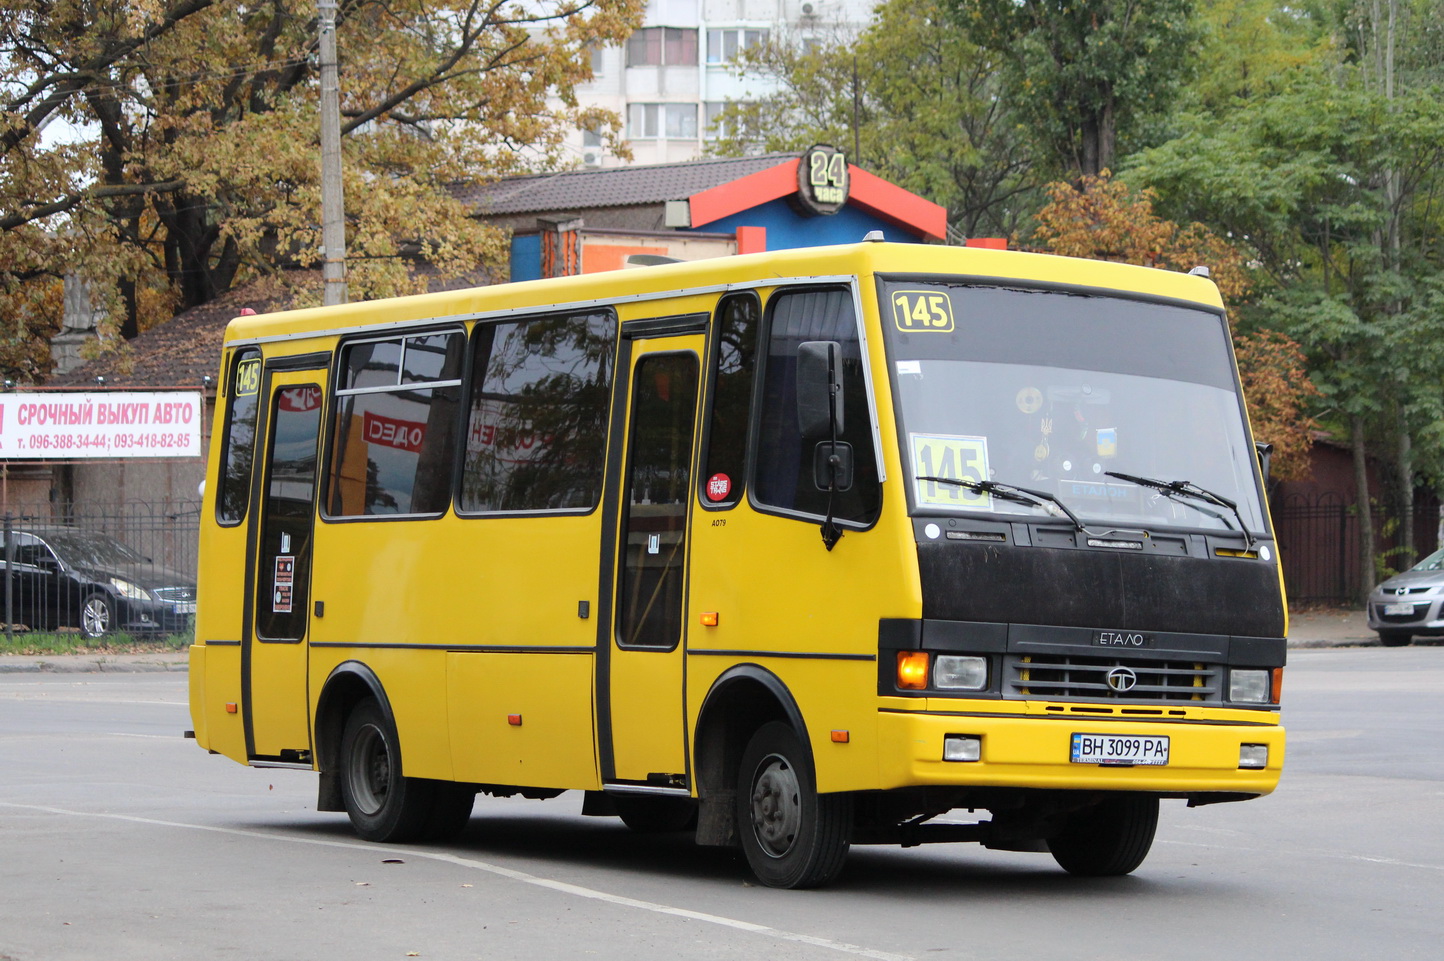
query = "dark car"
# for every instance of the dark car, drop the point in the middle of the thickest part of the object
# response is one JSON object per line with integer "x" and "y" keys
{"x": 68, "y": 577}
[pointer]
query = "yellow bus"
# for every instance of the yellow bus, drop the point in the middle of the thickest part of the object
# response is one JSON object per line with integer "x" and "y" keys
{"x": 792, "y": 550}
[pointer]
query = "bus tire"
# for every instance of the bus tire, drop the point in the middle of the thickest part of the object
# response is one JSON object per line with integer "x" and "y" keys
{"x": 792, "y": 836}
{"x": 450, "y": 812}
{"x": 656, "y": 815}
{"x": 1109, "y": 839}
{"x": 381, "y": 803}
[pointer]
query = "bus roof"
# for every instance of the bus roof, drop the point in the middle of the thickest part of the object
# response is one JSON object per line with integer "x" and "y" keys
{"x": 763, "y": 269}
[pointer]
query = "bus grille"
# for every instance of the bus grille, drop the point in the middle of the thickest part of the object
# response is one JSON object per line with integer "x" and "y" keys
{"x": 1049, "y": 676}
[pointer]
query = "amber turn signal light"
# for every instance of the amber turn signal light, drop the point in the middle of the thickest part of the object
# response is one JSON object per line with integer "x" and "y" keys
{"x": 912, "y": 670}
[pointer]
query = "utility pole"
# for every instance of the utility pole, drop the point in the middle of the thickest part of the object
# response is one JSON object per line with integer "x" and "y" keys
{"x": 333, "y": 206}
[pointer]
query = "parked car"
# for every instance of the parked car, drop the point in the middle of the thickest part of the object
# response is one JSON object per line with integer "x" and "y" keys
{"x": 69, "y": 577}
{"x": 1410, "y": 604}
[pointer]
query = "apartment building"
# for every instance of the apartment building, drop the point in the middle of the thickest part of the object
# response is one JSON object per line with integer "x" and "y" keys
{"x": 670, "y": 80}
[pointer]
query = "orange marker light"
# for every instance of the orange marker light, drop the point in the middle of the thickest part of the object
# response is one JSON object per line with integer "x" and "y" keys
{"x": 514, "y": 720}
{"x": 912, "y": 670}
{"x": 230, "y": 707}
{"x": 841, "y": 737}
{"x": 1278, "y": 685}
{"x": 709, "y": 618}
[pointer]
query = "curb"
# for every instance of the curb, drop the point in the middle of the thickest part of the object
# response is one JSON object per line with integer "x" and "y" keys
{"x": 83, "y": 664}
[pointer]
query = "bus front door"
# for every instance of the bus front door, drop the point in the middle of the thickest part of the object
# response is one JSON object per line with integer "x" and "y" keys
{"x": 274, "y": 659}
{"x": 641, "y": 706}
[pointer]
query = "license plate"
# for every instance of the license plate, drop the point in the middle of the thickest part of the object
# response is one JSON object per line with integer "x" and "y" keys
{"x": 1119, "y": 749}
{"x": 1402, "y": 607}
{"x": 186, "y": 608}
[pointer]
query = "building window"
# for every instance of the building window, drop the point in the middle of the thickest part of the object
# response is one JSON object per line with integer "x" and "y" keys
{"x": 715, "y": 127}
{"x": 591, "y": 138}
{"x": 656, "y": 121}
{"x": 724, "y": 46}
{"x": 662, "y": 47}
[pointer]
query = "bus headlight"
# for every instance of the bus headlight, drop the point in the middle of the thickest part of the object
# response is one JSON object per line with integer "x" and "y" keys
{"x": 1252, "y": 687}
{"x": 955, "y": 672}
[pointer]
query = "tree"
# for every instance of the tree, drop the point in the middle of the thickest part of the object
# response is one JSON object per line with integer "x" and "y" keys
{"x": 1105, "y": 219}
{"x": 911, "y": 97}
{"x": 1084, "y": 73}
{"x": 1333, "y": 184}
{"x": 195, "y": 161}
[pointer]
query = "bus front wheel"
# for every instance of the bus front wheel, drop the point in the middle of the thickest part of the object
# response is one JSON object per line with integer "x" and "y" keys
{"x": 792, "y": 836}
{"x": 1109, "y": 839}
{"x": 381, "y": 803}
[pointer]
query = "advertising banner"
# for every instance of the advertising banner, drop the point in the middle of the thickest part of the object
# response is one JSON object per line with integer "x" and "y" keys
{"x": 46, "y": 425}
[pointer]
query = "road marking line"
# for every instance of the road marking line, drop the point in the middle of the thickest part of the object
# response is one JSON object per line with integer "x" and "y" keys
{"x": 561, "y": 887}
{"x": 1393, "y": 862}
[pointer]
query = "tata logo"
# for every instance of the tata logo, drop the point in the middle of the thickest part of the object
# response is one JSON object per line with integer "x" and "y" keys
{"x": 1121, "y": 680}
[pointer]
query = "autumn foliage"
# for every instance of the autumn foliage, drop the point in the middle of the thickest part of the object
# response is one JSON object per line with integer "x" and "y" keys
{"x": 1104, "y": 219}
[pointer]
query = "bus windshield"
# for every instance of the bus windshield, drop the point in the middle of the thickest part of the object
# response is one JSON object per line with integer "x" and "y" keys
{"x": 1122, "y": 412}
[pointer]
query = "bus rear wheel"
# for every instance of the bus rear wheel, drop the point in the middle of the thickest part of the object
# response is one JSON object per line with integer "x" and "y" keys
{"x": 381, "y": 803}
{"x": 792, "y": 836}
{"x": 1109, "y": 839}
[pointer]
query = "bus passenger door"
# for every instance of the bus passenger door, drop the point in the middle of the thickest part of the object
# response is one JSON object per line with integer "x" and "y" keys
{"x": 274, "y": 659}
{"x": 641, "y": 709}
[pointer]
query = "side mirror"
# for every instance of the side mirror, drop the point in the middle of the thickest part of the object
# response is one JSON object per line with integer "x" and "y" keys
{"x": 819, "y": 388}
{"x": 1265, "y": 457}
{"x": 832, "y": 466}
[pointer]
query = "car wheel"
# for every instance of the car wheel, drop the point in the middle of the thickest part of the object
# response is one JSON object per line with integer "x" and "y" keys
{"x": 381, "y": 803}
{"x": 1395, "y": 638}
{"x": 1108, "y": 839}
{"x": 792, "y": 836}
{"x": 656, "y": 815}
{"x": 97, "y": 615}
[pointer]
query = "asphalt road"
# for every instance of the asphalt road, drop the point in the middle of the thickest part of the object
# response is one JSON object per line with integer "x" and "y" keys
{"x": 120, "y": 840}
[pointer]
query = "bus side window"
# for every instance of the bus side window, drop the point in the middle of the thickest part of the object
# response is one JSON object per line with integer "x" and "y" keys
{"x": 537, "y": 426}
{"x": 734, "y": 361}
{"x": 233, "y": 488}
{"x": 784, "y": 477}
{"x": 396, "y": 415}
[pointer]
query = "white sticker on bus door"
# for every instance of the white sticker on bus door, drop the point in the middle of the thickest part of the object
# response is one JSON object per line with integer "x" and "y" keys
{"x": 950, "y": 457}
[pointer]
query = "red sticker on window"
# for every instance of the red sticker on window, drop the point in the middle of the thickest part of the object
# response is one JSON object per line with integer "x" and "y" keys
{"x": 719, "y": 486}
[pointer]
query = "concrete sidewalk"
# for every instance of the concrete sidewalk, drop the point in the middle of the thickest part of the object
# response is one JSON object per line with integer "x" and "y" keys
{"x": 1306, "y": 629}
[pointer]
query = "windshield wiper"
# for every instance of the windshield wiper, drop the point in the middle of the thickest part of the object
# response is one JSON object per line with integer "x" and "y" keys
{"x": 1188, "y": 489}
{"x": 1018, "y": 495}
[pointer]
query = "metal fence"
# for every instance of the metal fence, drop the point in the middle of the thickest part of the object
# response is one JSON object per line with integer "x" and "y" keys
{"x": 128, "y": 570}
{"x": 1319, "y": 545}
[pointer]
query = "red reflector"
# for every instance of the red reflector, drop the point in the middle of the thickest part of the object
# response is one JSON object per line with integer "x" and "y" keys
{"x": 514, "y": 720}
